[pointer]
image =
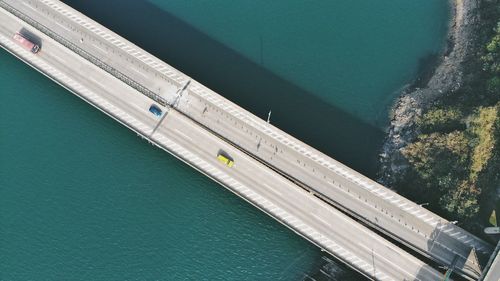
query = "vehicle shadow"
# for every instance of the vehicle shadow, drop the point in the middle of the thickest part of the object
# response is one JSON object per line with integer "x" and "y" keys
{"x": 294, "y": 110}
{"x": 30, "y": 36}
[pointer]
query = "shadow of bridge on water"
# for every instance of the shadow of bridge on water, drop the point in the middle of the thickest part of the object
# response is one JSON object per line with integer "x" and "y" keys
{"x": 296, "y": 111}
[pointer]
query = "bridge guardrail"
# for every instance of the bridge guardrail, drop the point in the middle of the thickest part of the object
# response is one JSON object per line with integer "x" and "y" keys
{"x": 84, "y": 54}
{"x": 490, "y": 262}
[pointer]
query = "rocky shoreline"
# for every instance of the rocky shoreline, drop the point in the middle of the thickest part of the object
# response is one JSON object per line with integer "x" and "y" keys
{"x": 444, "y": 76}
{"x": 447, "y": 76}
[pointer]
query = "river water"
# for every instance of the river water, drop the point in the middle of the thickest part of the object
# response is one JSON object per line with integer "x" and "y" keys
{"x": 83, "y": 198}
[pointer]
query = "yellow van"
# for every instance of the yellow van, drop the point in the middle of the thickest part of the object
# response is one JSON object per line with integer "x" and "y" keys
{"x": 225, "y": 159}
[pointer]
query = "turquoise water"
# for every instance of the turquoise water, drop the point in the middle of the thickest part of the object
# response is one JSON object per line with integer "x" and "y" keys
{"x": 354, "y": 55}
{"x": 83, "y": 198}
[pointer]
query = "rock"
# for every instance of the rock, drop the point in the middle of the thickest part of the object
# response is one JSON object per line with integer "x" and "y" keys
{"x": 447, "y": 77}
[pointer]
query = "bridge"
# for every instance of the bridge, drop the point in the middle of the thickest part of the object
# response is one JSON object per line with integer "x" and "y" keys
{"x": 492, "y": 269}
{"x": 346, "y": 214}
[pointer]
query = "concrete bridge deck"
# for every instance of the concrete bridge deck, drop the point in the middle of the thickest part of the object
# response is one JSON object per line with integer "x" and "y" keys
{"x": 250, "y": 136}
{"x": 249, "y": 179}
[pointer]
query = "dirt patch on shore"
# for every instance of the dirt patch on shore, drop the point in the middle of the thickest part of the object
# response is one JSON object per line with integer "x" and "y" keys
{"x": 447, "y": 77}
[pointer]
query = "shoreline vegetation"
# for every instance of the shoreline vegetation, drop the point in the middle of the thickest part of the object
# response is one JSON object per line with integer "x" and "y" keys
{"x": 443, "y": 143}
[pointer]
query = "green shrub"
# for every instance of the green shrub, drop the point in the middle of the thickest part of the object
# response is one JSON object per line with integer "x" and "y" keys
{"x": 438, "y": 119}
{"x": 439, "y": 157}
{"x": 491, "y": 58}
{"x": 462, "y": 201}
{"x": 493, "y": 86}
{"x": 483, "y": 127}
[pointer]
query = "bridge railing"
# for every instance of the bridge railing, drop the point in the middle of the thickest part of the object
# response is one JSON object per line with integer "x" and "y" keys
{"x": 490, "y": 262}
{"x": 84, "y": 54}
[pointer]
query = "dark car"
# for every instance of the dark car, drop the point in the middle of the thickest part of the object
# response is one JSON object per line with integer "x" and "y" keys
{"x": 155, "y": 110}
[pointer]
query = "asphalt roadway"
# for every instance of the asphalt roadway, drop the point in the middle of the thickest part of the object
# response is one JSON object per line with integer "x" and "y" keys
{"x": 238, "y": 133}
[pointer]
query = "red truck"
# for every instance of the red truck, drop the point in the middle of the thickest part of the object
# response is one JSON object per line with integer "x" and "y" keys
{"x": 26, "y": 43}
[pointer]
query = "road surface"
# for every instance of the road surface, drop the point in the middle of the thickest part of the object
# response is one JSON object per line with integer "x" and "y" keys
{"x": 180, "y": 130}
